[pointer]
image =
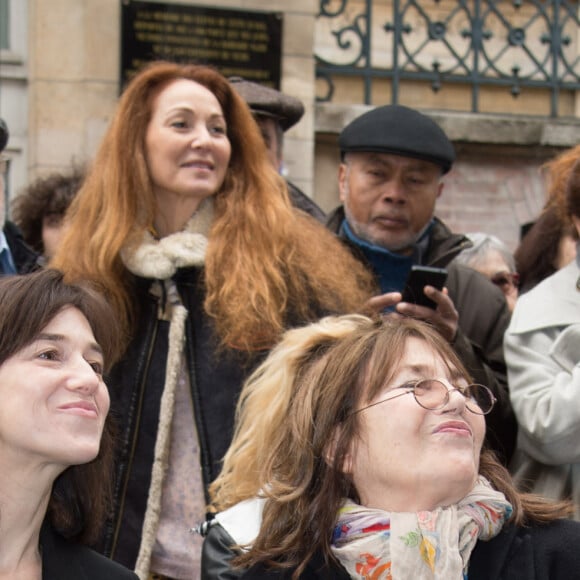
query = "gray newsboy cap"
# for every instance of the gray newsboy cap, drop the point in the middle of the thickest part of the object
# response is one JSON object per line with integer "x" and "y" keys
{"x": 269, "y": 102}
{"x": 4, "y": 134}
{"x": 398, "y": 130}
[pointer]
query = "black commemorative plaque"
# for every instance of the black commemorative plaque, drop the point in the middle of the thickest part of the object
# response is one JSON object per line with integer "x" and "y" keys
{"x": 244, "y": 43}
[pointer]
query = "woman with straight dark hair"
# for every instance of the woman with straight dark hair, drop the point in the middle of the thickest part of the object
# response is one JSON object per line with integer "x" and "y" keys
{"x": 190, "y": 233}
{"x": 56, "y": 340}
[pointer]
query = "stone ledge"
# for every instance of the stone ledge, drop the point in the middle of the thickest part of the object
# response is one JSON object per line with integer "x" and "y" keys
{"x": 13, "y": 70}
{"x": 471, "y": 127}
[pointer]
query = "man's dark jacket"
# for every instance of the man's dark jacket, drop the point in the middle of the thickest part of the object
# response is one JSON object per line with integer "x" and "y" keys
{"x": 483, "y": 319}
{"x": 301, "y": 201}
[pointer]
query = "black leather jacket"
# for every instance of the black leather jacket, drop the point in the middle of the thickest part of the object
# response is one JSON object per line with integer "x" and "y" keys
{"x": 136, "y": 385}
{"x": 483, "y": 320}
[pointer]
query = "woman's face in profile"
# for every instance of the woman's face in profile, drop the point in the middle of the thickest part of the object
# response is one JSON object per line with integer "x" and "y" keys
{"x": 53, "y": 401}
{"x": 409, "y": 458}
{"x": 187, "y": 146}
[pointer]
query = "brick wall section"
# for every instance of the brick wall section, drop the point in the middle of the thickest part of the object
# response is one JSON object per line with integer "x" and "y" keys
{"x": 493, "y": 191}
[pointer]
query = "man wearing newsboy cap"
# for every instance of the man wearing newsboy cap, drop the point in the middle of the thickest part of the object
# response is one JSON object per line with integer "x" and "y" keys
{"x": 15, "y": 256}
{"x": 393, "y": 161}
{"x": 275, "y": 113}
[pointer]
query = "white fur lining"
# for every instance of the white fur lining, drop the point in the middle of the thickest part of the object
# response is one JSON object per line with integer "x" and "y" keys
{"x": 160, "y": 259}
{"x": 152, "y": 513}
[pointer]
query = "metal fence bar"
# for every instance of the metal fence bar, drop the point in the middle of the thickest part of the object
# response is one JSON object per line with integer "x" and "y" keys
{"x": 479, "y": 43}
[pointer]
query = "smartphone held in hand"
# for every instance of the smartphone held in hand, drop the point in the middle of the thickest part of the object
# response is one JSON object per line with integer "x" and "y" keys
{"x": 419, "y": 277}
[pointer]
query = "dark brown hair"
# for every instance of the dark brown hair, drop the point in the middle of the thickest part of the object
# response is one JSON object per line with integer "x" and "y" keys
{"x": 47, "y": 195}
{"x": 80, "y": 495}
{"x": 537, "y": 254}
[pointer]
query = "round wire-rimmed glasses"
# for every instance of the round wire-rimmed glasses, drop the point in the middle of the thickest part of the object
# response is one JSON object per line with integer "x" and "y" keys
{"x": 433, "y": 394}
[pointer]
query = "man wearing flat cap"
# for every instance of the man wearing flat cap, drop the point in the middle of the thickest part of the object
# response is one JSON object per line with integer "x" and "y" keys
{"x": 15, "y": 256}
{"x": 393, "y": 160}
{"x": 275, "y": 113}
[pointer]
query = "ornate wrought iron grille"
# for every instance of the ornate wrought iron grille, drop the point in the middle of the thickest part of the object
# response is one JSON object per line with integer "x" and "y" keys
{"x": 514, "y": 44}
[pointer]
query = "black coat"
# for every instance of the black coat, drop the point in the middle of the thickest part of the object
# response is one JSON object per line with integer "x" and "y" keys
{"x": 63, "y": 560}
{"x": 216, "y": 375}
{"x": 547, "y": 552}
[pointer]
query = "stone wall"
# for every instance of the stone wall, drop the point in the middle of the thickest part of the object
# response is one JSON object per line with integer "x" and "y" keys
{"x": 60, "y": 84}
{"x": 67, "y": 82}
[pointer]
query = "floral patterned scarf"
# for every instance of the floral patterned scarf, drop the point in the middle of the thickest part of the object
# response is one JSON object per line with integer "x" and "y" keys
{"x": 375, "y": 544}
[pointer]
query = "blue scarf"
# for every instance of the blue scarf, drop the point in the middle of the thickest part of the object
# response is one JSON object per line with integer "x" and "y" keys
{"x": 391, "y": 269}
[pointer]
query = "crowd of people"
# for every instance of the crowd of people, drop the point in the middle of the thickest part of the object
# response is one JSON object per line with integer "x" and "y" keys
{"x": 204, "y": 376}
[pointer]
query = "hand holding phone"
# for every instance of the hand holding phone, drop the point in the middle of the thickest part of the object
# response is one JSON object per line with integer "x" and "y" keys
{"x": 419, "y": 277}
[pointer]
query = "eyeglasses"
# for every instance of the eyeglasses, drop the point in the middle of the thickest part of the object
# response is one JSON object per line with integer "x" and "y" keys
{"x": 432, "y": 394}
{"x": 504, "y": 279}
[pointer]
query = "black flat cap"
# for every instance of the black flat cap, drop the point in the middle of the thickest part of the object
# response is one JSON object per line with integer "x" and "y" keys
{"x": 269, "y": 102}
{"x": 4, "y": 134}
{"x": 398, "y": 130}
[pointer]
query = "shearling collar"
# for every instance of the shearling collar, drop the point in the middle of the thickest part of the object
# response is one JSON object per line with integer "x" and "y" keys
{"x": 160, "y": 259}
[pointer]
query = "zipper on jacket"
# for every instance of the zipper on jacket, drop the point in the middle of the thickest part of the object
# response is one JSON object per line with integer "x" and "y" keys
{"x": 189, "y": 350}
{"x": 120, "y": 507}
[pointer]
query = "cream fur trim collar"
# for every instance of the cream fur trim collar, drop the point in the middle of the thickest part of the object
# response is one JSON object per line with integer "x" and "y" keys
{"x": 160, "y": 259}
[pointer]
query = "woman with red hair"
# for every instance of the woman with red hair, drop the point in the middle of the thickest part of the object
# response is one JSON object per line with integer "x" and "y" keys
{"x": 190, "y": 233}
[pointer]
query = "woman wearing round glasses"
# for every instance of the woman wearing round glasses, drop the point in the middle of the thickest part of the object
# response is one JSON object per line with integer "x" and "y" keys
{"x": 358, "y": 453}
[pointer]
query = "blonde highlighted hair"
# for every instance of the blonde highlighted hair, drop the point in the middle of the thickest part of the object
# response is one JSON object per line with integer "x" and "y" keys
{"x": 267, "y": 394}
{"x": 265, "y": 262}
{"x": 295, "y": 427}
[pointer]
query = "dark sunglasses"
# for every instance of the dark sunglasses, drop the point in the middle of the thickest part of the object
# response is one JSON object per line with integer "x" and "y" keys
{"x": 504, "y": 279}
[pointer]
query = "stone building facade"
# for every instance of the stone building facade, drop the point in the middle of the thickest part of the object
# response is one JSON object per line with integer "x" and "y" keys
{"x": 59, "y": 81}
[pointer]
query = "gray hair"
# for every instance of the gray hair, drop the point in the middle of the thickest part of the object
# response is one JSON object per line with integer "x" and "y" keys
{"x": 482, "y": 245}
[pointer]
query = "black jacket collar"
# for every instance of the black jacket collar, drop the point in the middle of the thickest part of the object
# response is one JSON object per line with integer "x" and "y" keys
{"x": 64, "y": 560}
